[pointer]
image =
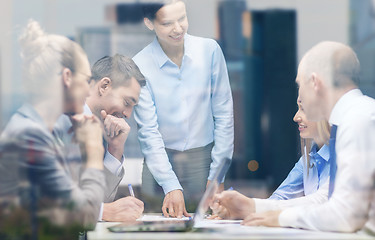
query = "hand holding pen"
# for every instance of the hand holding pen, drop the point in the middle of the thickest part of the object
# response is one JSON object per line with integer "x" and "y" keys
{"x": 124, "y": 209}
{"x": 213, "y": 206}
{"x": 232, "y": 205}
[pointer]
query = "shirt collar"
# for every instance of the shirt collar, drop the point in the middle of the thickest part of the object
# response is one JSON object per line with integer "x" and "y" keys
{"x": 87, "y": 110}
{"x": 342, "y": 104}
{"x": 322, "y": 153}
{"x": 160, "y": 55}
{"x": 188, "y": 46}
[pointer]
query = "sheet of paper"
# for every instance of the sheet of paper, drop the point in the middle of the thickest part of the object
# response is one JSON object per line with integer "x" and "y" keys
{"x": 207, "y": 223}
{"x": 234, "y": 227}
{"x": 146, "y": 218}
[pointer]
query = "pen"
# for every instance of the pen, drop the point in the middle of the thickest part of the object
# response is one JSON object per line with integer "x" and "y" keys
{"x": 131, "y": 191}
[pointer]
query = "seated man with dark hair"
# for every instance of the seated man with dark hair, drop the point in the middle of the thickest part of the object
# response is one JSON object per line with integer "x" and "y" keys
{"x": 114, "y": 90}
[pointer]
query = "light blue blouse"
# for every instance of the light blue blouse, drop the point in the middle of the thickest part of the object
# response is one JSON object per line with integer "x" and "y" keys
{"x": 300, "y": 182}
{"x": 184, "y": 107}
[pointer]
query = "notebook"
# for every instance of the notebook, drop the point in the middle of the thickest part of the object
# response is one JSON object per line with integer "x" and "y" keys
{"x": 177, "y": 225}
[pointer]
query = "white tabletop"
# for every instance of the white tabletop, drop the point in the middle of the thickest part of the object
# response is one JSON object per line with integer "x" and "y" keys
{"x": 217, "y": 230}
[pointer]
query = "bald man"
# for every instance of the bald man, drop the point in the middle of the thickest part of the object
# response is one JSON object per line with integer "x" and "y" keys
{"x": 327, "y": 79}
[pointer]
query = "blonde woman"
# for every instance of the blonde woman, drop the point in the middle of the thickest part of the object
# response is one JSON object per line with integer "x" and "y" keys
{"x": 312, "y": 170}
{"x": 33, "y": 167}
{"x": 306, "y": 183}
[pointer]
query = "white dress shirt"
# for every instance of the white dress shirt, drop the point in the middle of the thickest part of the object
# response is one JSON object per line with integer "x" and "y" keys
{"x": 318, "y": 197}
{"x": 303, "y": 185}
{"x": 351, "y": 206}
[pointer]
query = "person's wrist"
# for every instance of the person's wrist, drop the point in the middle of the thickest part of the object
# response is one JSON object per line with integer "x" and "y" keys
{"x": 95, "y": 164}
{"x": 250, "y": 206}
{"x": 106, "y": 212}
{"x": 92, "y": 145}
{"x": 94, "y": 148}
{"x": 175, "y": 191}
{"x": 116, "y": 151}
{"x": 94, "y": 156}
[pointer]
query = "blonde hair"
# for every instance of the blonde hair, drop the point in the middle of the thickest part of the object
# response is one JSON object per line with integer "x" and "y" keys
{"x": 323, "y": 129}
{"x": 43, "y": 56}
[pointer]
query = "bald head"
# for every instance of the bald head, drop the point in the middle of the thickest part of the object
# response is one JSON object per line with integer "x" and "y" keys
{"x": 334, "y": 62}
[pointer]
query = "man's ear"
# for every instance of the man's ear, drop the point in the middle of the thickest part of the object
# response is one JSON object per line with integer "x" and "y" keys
{"x": 104, "y": 85}
{"x": 67, "y": 76}
{"x": 317, "y": 82}
{"x": 148, "y": 24}
{"x": 314, "y": 81}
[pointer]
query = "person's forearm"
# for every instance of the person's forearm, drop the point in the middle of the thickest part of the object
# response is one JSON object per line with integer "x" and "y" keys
{"x": 162, "y": 171}
{"x": 94, "y": 156}
{"x": 116, "y": 151}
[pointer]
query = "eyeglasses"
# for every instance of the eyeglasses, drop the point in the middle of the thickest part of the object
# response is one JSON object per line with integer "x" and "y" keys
{"x": 89, "y": 77}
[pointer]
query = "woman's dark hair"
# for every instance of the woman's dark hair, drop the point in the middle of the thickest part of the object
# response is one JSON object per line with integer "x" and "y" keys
{"x": 150, "y": 9}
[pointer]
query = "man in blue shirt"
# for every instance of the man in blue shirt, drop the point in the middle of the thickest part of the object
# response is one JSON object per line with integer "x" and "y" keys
{"x": 185, "y": 112}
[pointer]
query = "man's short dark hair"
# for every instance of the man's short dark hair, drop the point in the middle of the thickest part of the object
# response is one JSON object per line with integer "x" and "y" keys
{"x": 120, "y": 69}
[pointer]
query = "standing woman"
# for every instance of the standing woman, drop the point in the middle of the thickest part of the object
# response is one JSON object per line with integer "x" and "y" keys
{"x": 185, "y": 112}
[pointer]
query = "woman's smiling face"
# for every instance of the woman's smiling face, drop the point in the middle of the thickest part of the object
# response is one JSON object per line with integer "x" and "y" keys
{"x": 171, "y": 24}
{"x": 306, "y": 128}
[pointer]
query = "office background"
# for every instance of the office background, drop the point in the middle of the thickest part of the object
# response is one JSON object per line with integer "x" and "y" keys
{"x": 262, "y": 40}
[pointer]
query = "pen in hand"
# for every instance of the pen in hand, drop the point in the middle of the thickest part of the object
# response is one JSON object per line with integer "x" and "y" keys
{"x": 131, "y": 191}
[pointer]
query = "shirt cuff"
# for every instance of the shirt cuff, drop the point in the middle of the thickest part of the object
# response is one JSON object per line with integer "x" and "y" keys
{"x": 100, "y": 217}
{"x": 213, "y": 171}
{"x": 171, "y": 186}
{"x": 275, "y": 196}
{"x": 289, "y": 217}
{"x": 263, "y": 205}
{"x": 113, "y": 164}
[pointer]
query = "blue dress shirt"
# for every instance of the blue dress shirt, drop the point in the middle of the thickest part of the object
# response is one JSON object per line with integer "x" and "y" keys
{"x": 184, "y": 108}
{"x": 300, "y": 182}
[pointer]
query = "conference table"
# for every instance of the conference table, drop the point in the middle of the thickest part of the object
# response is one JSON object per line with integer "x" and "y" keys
{"x": 221, "y": 229}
